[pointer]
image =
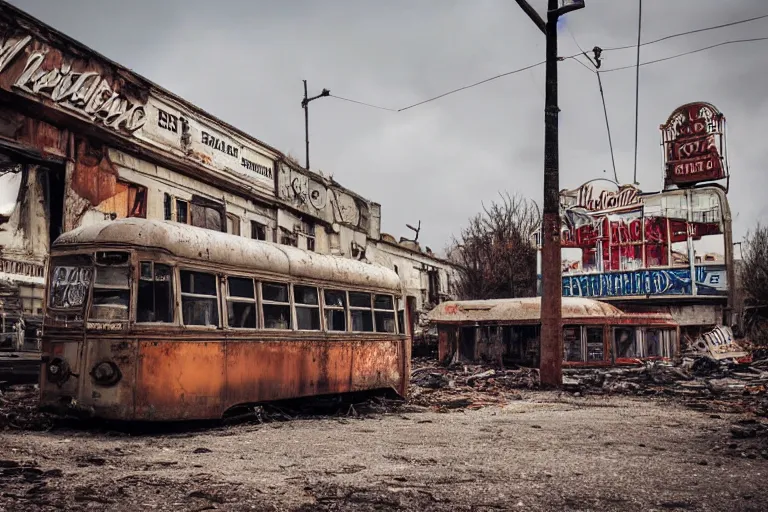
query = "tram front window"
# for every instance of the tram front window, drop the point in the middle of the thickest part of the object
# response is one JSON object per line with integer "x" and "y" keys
{"x": 70, "y": 281}
{"x": 111, "y": 287}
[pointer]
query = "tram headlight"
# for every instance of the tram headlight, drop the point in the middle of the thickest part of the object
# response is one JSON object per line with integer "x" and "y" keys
{"x": 58, "y": 371}
{"x": 106, "y": 373}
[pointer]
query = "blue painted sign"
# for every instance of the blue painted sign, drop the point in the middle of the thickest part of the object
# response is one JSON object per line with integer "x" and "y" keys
{"x": 710, "y": 281}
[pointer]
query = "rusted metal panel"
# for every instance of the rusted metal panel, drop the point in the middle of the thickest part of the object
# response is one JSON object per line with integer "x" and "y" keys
{"x": 223, "y": 249}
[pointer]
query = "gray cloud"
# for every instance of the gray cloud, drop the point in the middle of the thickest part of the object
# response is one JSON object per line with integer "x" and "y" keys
{"x": 243, "y": 61}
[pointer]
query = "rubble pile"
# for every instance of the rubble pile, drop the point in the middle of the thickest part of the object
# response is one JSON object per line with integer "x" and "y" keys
{"x": 19, "y": 411}
{"x": 467, "y": 386}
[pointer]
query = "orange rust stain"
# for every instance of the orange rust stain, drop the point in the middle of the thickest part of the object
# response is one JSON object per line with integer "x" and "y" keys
{"x": 180, "y": 380}
{"x": 451, "y": 309}
{"x": 94, "y": 177}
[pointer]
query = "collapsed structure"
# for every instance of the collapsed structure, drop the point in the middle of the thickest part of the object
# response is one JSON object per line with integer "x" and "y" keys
{"x": 83, "y": 139}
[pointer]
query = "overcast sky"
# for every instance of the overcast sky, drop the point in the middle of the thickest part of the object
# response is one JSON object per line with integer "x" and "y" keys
{"x": 243, "y": 61}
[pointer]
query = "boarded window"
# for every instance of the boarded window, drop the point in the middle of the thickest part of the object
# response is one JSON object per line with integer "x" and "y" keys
{"x": 307, "y": 305}
{"x": 276, "y": 306}
{"x": 335, "y": 310}
{"x": 155, "y": 300}
{"x": 241, "y": 303}
{"x": 111, "y": 287}
{"x": 384, "y": 313}
{"x": 199, "y": 298}
{"x": 360, "y": 311}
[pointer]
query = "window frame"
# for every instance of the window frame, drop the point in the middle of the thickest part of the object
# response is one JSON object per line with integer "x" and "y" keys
{"x": 360, "y": 308}
{"x": 182, "y": 294}
{"x": 263, "y": 302}
{"x": 393, "y": 311}
{"x": 175, "y": 315}
{"x": 244, "y": 300}
{"x": 344, "y": 308}
{"x": 317, "y": 307}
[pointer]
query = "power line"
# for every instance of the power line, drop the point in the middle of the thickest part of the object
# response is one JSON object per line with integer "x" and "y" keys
{"x": 688, "y": 33}
{"x": 363, "y": 103}
{"x": 689, "y": 53}
{"x": 472, "y": 85}
{"x": 637, "y": 80}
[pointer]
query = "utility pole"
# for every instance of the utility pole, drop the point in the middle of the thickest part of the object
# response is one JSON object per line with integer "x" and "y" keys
{"x": 551, "y": 358}
{"x": 305, "y": 106}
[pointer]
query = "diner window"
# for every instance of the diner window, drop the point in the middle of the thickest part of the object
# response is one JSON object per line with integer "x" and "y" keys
{"x": 182, "y": 211}
{"x": 111, "y": 287}
{"x": 335, "y": 310}
{"x": 207, "y": 214}
{"x": 384, "y": 313}
{"x": 652, "y": 343}
{"x": 241, "y": 303}
{"x": 595, "y": 351}
{"x": 276, "y": 305}
{"x": 305, "y": 299}
{"x": 199, "y": 298}
{"x": 233, "y": 224}
{"x": 625, "y": 343}
{"x": 572, "y": 343}
{"x": 155, "y": 297}
{"x": 360, "y": 311}
{"x": 258, "y": 231}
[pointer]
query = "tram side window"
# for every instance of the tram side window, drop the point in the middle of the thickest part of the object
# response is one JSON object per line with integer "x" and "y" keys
{"x": 384, "y": 313}
{"x": 111, "y": 287}
{"x": 276, "y": 305}
{"x": 241, "y": 303}
{"x": 595, "y": 344}
{"x": 307, "y": 308}
{"x": 155, "y": 300}
{"x": 335, "y": 310}
{"x": 572, "y": 343}
{"x": 360, "y": 311}
{"x": 199, "y": 298}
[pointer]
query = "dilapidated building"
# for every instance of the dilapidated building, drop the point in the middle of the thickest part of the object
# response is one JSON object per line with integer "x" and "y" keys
{"x": 83, "y": 139}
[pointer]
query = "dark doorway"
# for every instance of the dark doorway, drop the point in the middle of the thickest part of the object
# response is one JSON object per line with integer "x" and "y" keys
{"x": 53, "y": 183}
{"x": 467, "y": 343}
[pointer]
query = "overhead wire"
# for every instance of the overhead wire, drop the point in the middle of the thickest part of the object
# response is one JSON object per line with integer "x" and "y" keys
{"x": 637, "y": 83}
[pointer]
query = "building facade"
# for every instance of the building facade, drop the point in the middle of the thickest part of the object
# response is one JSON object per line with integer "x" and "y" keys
{"x": 83, "y": 140}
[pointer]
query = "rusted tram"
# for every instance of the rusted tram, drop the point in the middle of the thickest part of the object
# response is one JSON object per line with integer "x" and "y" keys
{"x": 594, "y": 333}
{"x": 159, "y": 321}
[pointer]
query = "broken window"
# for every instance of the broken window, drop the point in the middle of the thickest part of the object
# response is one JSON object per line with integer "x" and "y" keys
{"x": 307, "y": 305}
{"x": 241, "y": 303}
{"x": 70, "y": 281}
{"x": 433, "y": 277}
{"x": 572, "y": 343}
{"x": 111, "y": 286}
{"x": 155, "y": 299}
{"x": 276, "y": 305}
{"x": 288, "y": 238}
{"x": 360, "y": 311}
{"x": 595, "y": 350}
{"x": 199, "y": 298}
{"x": 384, "y": 313}
{"x": 626, "y": 346}
{"x": 137, "y": 199}
{"x": 167, "y": 208}
{"x": 233, "y": 224}
{"x": 258, "y": 231}
{"x": 206, "y": 214}
{"x": 308, "y": 228}
{"x": 335, "y": 310}
{"x": 182, "y": 211}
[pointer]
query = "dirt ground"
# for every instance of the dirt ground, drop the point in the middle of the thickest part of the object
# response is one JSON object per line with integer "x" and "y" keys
{"x": 541, "y": 451}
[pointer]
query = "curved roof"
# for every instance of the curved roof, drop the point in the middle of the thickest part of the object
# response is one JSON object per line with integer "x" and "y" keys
{"x": 215, "y": 247}
{"x": 524, "y": 310}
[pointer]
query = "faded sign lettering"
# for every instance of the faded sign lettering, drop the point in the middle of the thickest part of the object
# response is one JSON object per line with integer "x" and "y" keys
{"x": 218, "y": 144}
{"x": 167, "y": 121}
{"x": 710, "y": 281}
{"x": 259, "y": 169}
{"x": 694, "y": 141}
{"x": 594, "y": 199}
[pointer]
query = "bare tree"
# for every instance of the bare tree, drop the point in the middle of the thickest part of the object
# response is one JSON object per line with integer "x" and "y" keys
{"x": 754, "y": 281}
{"x": 496, "y": 256}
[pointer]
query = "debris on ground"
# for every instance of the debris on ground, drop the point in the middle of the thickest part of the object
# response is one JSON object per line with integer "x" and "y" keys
{"x": 19, "y": 410}
{"x": 467, "y": 386}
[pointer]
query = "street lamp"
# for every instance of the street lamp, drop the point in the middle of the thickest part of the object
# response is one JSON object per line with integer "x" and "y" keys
{"x": 551, "y": 359}
{"x": 305, "y": 106}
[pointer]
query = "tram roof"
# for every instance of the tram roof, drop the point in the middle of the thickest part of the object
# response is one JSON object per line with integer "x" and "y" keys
{"x": 529, "y": 310}
{"x": 209, "y": 246}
